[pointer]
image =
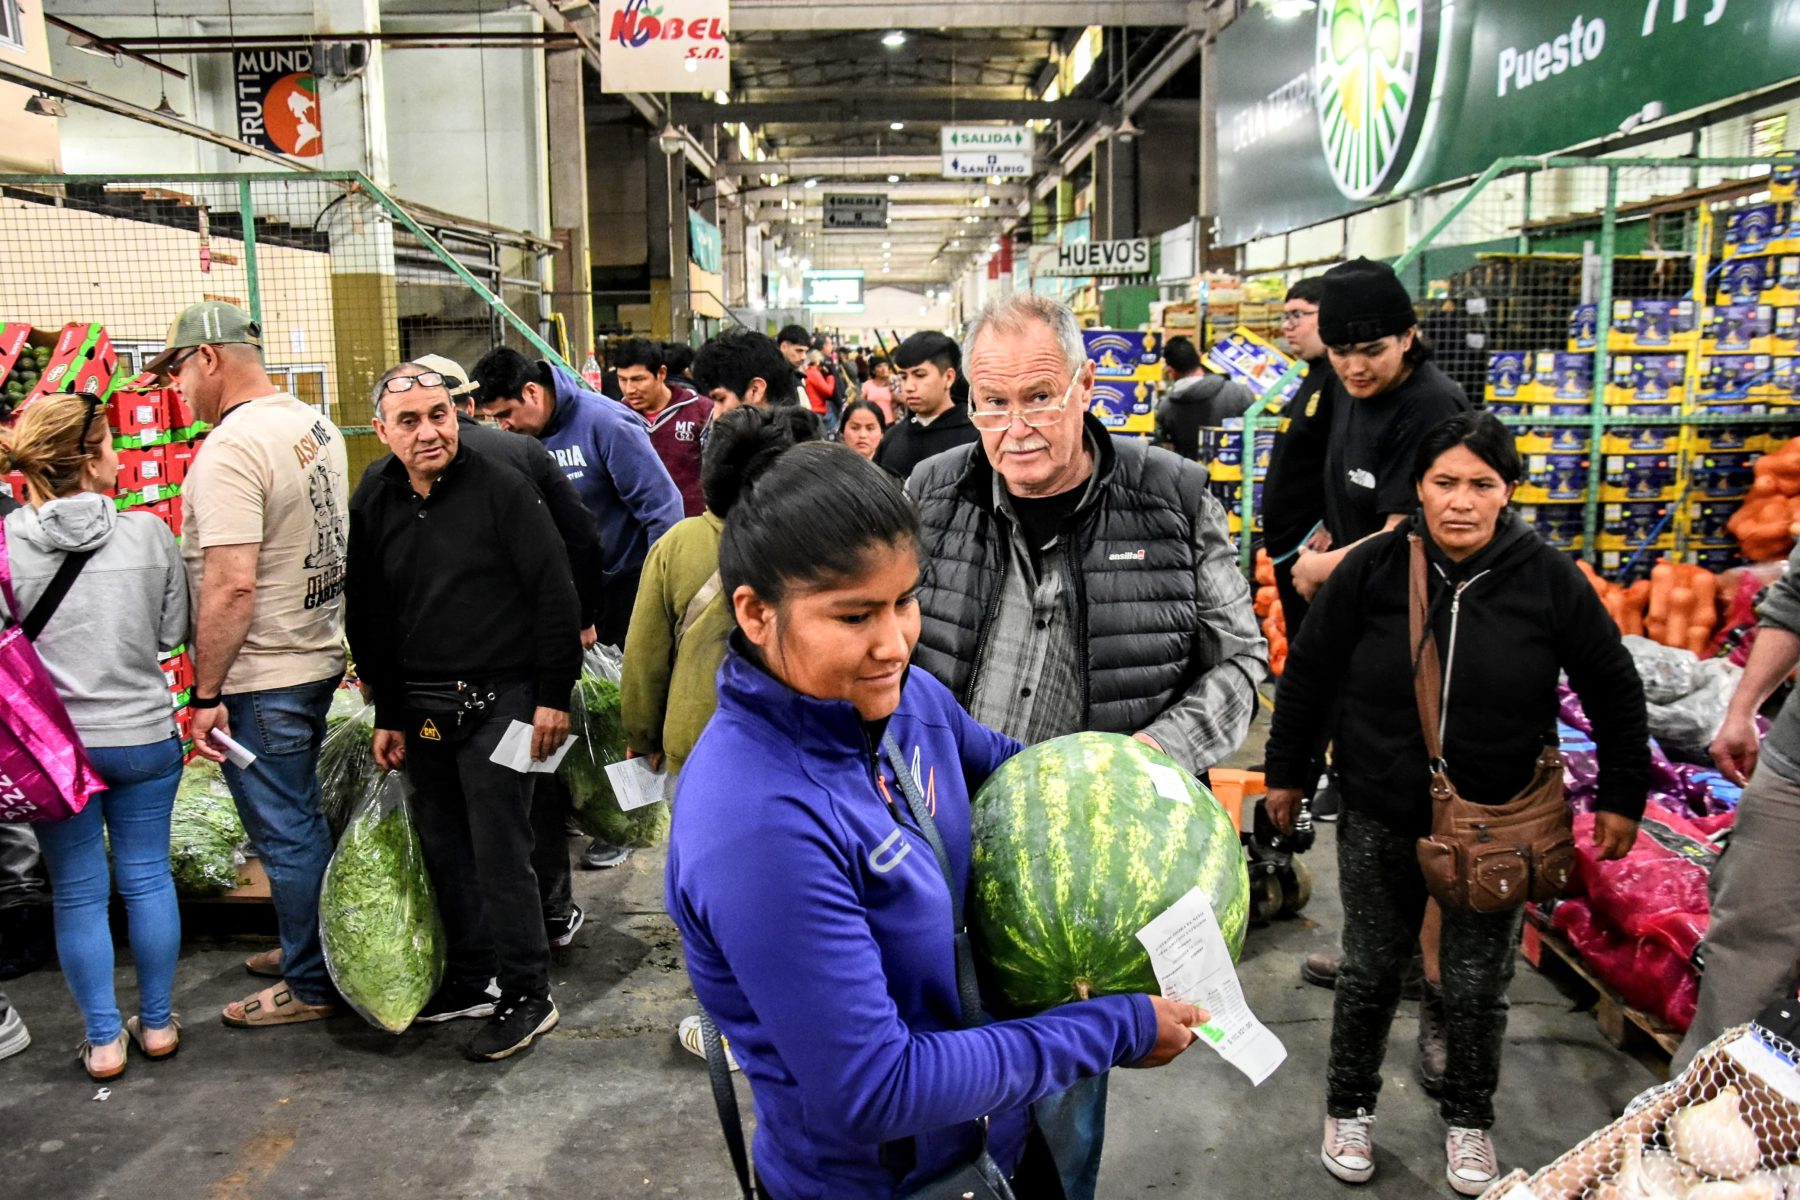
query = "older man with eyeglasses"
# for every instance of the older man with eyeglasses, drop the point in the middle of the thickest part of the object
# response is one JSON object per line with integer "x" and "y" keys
{"x": 1079, "y": 581}
{"x": 464, "y": 622}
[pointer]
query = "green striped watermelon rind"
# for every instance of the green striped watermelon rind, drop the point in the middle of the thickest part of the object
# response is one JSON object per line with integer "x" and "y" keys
{"x": 1050, "y": 931}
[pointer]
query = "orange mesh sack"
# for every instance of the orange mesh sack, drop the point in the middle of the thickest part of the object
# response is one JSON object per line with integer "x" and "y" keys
{"x": 1727, "y": 1129}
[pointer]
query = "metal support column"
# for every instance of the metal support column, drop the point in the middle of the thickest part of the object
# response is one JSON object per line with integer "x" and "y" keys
{"x": 247, "y": 222}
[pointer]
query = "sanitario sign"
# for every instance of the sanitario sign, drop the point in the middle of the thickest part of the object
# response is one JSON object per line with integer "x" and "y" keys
{"x": 1372, "y": 98}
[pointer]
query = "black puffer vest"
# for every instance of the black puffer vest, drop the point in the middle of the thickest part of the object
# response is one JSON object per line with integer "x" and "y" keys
{"x": 1131, "y": 557}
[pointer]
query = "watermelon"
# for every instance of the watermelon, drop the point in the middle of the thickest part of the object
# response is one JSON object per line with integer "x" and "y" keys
{"x": 1076, "y": 844}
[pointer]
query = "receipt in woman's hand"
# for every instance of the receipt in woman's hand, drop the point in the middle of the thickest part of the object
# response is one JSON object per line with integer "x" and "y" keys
{"x": 1188, "y": 953}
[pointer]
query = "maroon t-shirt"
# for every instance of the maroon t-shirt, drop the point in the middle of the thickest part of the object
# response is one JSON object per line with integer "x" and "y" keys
{"x": 675, "y": 432}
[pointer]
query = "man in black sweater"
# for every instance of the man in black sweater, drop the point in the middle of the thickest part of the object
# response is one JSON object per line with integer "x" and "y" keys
{"x": 464, "y": 622}
{"x": 930, "y": 368}
{"x": 550, "y": 803}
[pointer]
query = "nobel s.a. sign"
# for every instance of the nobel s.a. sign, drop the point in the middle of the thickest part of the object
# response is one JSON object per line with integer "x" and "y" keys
{"x": 664, "y": 46}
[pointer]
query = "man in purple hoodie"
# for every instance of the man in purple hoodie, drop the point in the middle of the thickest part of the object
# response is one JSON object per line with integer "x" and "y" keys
{"x": 674, "y": 414}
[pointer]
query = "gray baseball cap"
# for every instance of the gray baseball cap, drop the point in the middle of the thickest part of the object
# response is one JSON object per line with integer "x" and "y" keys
{"x": 209, "y": 323}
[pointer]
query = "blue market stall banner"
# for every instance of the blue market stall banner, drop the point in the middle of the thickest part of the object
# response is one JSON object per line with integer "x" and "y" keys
{"x": 1367, "y": 99}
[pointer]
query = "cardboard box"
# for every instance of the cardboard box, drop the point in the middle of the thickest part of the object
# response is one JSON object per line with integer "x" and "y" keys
{"x": 14, "y": 336}
{"x": 1584, "y": 326}
{"x": 1728, "y": 439}
{"x": 1563, "y": 376}
{"x": 1554, "y": 477}
{"x": 1124, "y": 354}
{"x": 1707, "y": 519}
{"x": 1253, "y": 362}
{"x": 1553, "y": 439}
{"x": 1738, "y": 329}
{"x": 137, "y": 418}
{"x": 1718, "y": 557}
{"x": 1760, "y": 229}
{"x": 1641, "y": 439}
{"x": 180, "y": 459}
{"x": 143, "y": 472}
{"x": 82, "y": 360}
{"x": 1564, "y": 520}
{"x": 1633, "y": 520}
{"x": 1639, "y": 476}
{"x": 1123, "y": 406}
{"x": 1737, "y": 377}
{"x": 1658, "y": 379}
{"x": 13, "y": 484}
{"x": 1510, "y": 376}
{"x": 1720, "y": 475}
{"x": 1653, "y": 324}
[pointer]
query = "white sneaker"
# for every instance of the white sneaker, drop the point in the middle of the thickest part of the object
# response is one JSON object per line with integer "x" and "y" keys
{"x": 14, "y": 1037}
{"x": 1348, "y": 1152}
{"x": 1470, "y": 1163}
{"x": 694, "y": 1042}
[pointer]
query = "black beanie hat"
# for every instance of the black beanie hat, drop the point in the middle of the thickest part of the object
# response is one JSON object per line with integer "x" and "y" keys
{"x": 1364, "y": 302}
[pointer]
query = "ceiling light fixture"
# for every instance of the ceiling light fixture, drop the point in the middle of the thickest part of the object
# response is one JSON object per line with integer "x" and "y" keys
{"x": 1127, "y": 130}
{"x": 896, "y": 126}
{"x": 887, "y": 245}
{"x": 45, "y": 106}
{"x": 893, "y": 39}
{"x": 163, "y": 109}
{"x": 670, "y": 139}
{"x": 893, "y": 179}
{"x": 1287, "y": 10}
{"x": 811, "y": 183}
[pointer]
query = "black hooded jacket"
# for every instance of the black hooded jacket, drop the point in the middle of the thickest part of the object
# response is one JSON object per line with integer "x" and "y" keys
{"x": 1525, "y": 614}
{"x": 1195, "y": 403}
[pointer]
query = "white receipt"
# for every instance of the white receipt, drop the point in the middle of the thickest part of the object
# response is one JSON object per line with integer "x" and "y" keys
{"x": 240, "y": 757}
{"x": 635, "y": 784}
{"x": 514, "y": 751}
{"x": 1188, "y": 953}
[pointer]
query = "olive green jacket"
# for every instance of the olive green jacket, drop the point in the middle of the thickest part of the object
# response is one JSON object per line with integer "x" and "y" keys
{"x": 667, "y": 689}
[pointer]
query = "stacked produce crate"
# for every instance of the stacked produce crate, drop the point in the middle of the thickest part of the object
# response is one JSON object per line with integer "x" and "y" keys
{"x": 155, "y": 434}
{"x": 1128, "y": 373}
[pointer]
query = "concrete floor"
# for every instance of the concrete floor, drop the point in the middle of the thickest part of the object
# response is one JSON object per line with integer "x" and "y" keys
{"x": 610, "y": 1106}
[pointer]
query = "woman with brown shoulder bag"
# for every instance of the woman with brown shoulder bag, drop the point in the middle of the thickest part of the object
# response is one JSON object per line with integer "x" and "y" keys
{"x": 1430, "y": 661}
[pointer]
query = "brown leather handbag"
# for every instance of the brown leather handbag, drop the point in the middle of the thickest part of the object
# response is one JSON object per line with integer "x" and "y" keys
{"x": 1483, "y": 858}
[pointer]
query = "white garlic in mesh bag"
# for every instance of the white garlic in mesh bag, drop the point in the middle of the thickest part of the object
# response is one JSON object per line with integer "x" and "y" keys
{"x": 1648, "y": 1174}
{"x": 1753, "y": 1188}
{"x": 1714, "y": 1139}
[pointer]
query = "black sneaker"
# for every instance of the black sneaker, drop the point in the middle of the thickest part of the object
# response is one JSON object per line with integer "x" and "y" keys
{"x": 515, "y": 1026}
{"x": 455, "y": 1000}
{"x": 563, "y": 932}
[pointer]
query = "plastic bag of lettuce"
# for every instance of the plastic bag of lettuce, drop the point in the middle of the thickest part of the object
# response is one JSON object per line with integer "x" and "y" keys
{"x": 594, "y": 715}
{"x": 347, "y": 758}
{"x": 378, "y": 917}
{"x": 206, "y": 838}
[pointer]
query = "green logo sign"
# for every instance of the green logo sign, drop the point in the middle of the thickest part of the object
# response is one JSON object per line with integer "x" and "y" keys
{"x": 1374, "y": 61}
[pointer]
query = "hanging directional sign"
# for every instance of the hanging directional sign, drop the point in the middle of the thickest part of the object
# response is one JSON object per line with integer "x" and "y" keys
{"x": 1017, "y": 139}
{"x": 974, "y": 164}
{"x": 846, "y": 210}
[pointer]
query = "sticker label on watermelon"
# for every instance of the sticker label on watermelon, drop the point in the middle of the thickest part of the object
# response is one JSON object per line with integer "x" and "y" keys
{"x": 1168, "y": 783}
{"x": 1188, "y": 953}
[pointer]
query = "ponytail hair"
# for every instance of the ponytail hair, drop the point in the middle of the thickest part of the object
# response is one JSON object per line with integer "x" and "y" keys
{"x": 47, "y": 442}
{"x": 743, "y": 442}
{"x": 810, "y": 517}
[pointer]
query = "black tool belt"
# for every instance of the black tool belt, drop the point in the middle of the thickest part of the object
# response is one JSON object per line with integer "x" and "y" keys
{"x": 448, "y": 705}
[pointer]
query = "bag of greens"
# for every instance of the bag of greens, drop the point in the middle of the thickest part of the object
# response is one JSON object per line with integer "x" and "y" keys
{"x": 347, "y": 758}
{"x": 378, "y": 917}
{"x": 206, "y": 838}
{"x": 594, "y": 715}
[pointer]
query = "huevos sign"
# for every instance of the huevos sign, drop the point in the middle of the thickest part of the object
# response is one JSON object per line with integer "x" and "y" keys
{"x": 664, "y": 46}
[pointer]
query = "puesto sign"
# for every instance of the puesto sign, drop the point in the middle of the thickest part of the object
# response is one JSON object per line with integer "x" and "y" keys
{"x": 1372, "y": 98}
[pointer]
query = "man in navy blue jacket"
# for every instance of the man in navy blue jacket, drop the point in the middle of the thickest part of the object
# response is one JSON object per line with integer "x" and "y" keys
{"x": 605, "y": 450}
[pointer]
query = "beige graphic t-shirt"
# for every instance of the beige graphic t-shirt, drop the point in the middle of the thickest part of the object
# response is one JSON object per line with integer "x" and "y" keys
{"x": 273, "y": 471}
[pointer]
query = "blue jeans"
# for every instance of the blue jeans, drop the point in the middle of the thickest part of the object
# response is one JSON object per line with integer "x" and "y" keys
{"x": 134, "y": 813}
{"x": 278, "y": 799}
{"x": 1073, "y": 1123}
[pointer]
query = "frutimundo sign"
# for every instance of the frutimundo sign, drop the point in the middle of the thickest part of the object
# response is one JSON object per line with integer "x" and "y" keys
{"x": 1368, "y": 99}
{"x": 1084, "y": 259}
{"x": 664, "y": 46}
{"x": 278, "y": 101}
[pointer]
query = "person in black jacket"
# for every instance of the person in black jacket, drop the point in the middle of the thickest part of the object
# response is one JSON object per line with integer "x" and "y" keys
{"x": 464, "y": 622}
{"x": 1509, "y": 613}
{"x": 1293, "y": 503}
{"x": 550, "y": 803}
{"x": 1195, "y": 400}
{"x": 1388, "y": 392}
{"x": 930, "y": 367}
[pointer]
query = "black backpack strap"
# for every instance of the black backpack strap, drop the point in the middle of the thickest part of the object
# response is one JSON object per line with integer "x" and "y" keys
{"x": 725, "y": 1100}
{"x": 60, "y": 583}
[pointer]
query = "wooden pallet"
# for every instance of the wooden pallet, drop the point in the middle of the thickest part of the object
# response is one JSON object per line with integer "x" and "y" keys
{"x": 1621, "y": 1024}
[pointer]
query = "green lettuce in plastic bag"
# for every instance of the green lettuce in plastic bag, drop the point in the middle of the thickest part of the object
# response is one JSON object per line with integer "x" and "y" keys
{"x": 594, "y": 715}
{"x": 347, "y": 758}
{"x": 206, "y": 838}
{"x": 378, "y": 917}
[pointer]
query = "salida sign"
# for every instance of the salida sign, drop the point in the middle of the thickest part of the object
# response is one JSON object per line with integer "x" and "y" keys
{"x": 666, "y": 46}
{"x": 278, "y": 102}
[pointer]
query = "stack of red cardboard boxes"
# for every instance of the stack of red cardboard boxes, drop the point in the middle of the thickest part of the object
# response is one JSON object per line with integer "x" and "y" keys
{"x": 155, "y": 433}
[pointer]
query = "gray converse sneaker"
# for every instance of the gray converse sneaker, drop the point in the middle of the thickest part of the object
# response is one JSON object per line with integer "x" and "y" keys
{"x": 1348, "y": 1152}
{"x": 1469, "y": 1160}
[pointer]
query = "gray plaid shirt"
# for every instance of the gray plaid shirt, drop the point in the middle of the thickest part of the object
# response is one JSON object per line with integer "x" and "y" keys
{"x": 1028, "y": 683}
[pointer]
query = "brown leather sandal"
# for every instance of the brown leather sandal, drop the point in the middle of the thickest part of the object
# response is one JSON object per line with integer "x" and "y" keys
{"x": 273, "y": 1006}
{"x": 135, "y": 1027}
{"x": 84, "y": 1053}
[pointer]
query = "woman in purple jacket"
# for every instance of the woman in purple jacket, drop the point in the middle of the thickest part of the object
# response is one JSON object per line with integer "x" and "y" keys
{"x": 815, "y": 917}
